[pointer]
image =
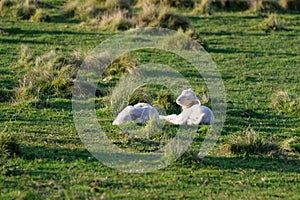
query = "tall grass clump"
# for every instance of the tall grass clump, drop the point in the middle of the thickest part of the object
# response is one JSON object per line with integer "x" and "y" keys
{"x": 40, "y": 16}
{"x": 170, "y": 3}
{"x": 161, "y": 16}
{"x": 52, "y": 75}
{"x": 293, "y": 5}
{"x": 84, "y": 10}
{"x": 282, "y": 102}
{"x": 204, "y": 7}
{"x": 118, "y": 4}
{"x": 8, "y": 145}
{"x": 273, "y": 23}
{"x": 25, "y": 10}
{"x": 263, "y": 6}
{"x": 115, "y": 21}
{"x": 6, "y": 4}
{"x": 184, "y": 40}
{"x": 252, "y": 143}
{"x": 96, "y": 9}
{"x": 26, "y": 56}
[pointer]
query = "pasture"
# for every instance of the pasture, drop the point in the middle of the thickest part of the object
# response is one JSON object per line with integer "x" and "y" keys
{"x": 256, "y": 156}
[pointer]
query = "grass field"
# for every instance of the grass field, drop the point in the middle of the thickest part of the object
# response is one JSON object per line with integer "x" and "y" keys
{"x": 254, "y": 64}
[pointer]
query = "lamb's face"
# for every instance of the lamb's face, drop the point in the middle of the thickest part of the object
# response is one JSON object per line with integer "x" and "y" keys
{"x": 186, "y": 98}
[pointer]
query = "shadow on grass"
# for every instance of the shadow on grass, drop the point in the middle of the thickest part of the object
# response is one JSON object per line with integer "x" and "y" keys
{"x": 259, "y": 164}
{"x": 54, "y": 153}
{"x": 238, "y": 51}
{"x": 18, "y": 41}
{"x": 50, "y": 32}
{"x": 239, "y": 118}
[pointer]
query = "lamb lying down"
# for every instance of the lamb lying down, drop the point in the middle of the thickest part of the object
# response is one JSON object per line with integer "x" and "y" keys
{"x": 141, "y": 112}
{"x": 192, "y": 111}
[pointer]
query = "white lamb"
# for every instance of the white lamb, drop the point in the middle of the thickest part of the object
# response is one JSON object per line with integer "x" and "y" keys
{"x": 141, "y": 112}
{"x": 192, "y": 111}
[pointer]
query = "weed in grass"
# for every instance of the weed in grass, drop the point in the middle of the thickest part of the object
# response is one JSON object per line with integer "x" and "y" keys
{"x": 8, "y": 144}
{"x": 282, "y": 102}
{"x": 252, "y": 143}
{"x": 40, "y": 16}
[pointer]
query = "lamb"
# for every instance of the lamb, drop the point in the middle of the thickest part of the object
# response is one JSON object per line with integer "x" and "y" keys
{"x": 141, "y": 112}
{"x": 192, "y": 111}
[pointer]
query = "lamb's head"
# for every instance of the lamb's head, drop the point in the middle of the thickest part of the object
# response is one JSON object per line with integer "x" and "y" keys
{"x": 187, "y": 99}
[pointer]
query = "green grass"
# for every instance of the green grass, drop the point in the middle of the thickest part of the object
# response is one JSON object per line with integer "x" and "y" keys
{"x": 254, "y": 65}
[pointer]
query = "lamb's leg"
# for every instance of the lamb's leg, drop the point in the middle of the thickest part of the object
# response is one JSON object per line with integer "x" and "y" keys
{"x": 174, "y": 119}
{"x": 200, "y": 119}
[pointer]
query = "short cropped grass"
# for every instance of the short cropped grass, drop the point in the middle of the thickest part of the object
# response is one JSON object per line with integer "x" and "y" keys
{"x": 55, "y": 164}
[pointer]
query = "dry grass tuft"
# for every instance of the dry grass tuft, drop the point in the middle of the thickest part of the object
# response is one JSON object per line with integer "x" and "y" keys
{"x": 41, "y": 16}
{"x": 251, "y": 143}
{"x": 115, "y": 21}
{"x": 53, "y": 75}
{"x": 161, "y": 16}
{"x": 290, "y": 4}
{"x": 272, "y": 23}
{"x": 264, "y": 6}
{"x": 25, "y": 11}
{"x": 203, "y": 7}
{"x": 285, "y": 103}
